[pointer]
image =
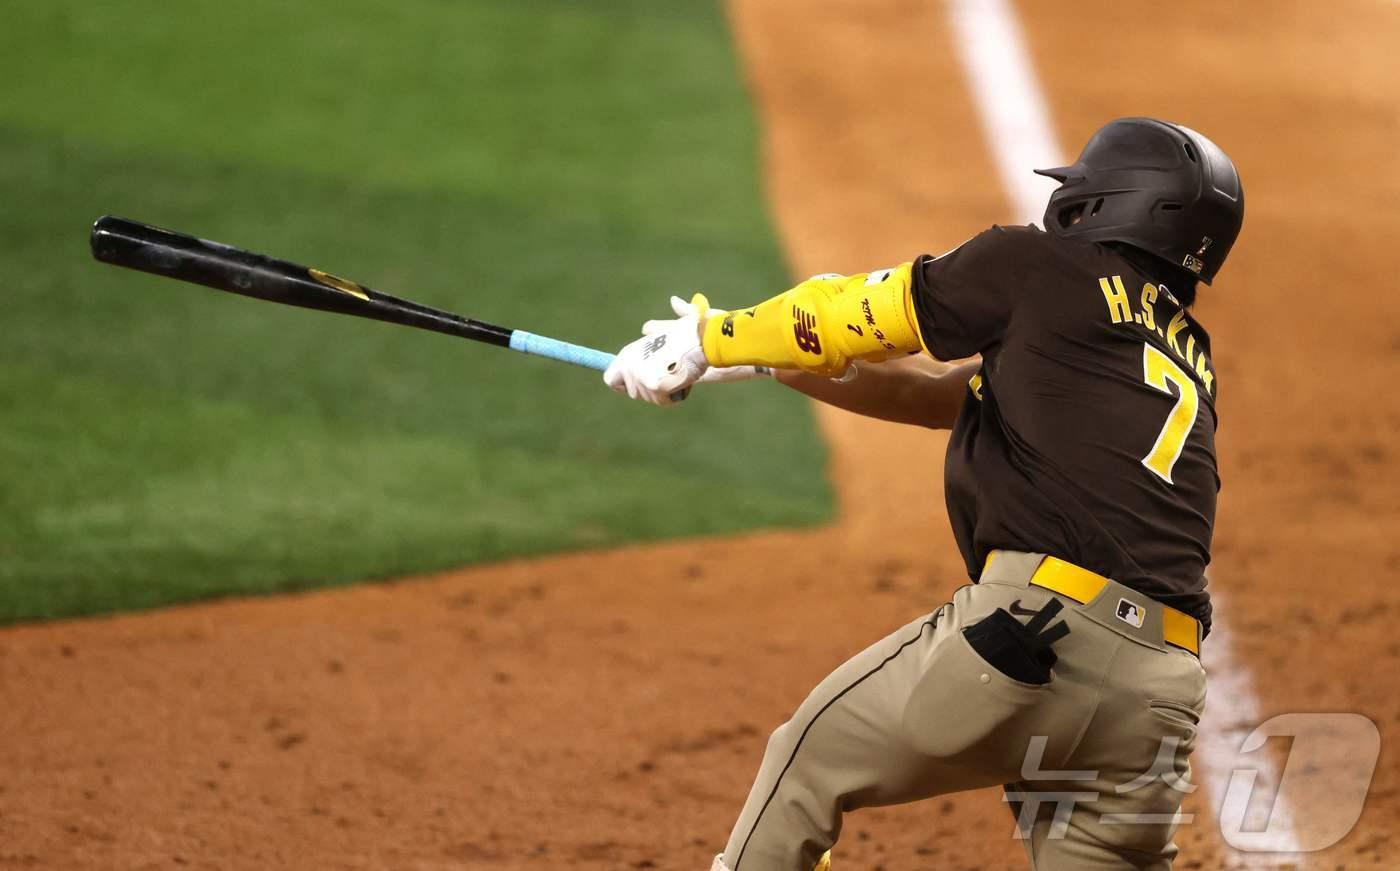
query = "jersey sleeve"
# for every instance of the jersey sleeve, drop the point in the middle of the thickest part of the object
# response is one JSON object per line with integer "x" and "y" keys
{"x": 964, "y": 299}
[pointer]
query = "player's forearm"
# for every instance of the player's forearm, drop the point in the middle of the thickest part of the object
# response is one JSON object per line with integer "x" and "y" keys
{"x": 915, "y": 390}
{"x": 821, "y": 325}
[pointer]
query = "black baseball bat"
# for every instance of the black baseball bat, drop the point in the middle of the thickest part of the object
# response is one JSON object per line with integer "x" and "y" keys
{"x": 122, "y": 242}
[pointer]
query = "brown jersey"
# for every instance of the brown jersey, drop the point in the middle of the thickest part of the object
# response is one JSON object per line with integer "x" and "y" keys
{"x": 1089, "y": 432}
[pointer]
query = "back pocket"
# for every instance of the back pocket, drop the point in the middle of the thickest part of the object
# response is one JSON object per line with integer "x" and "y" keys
{"x": 1179, "y": 714}
{"x": 965, "y": 709}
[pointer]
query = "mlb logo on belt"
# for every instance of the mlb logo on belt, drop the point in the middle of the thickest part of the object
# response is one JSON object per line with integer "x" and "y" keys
{"x": 1130, "y": 613}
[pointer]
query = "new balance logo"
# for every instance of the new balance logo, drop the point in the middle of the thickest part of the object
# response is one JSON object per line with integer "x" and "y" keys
{"x": 653, "y": 346}
{"x": 804, "y": 329}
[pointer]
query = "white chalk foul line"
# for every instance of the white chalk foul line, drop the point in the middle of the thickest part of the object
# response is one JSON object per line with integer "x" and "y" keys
{"x": 1017, "y": 124}
{"x": 1232, "y": 713}
{"x": 1015, "y": 119}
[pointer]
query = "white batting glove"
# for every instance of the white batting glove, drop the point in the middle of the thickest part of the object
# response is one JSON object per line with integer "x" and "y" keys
{"x": 714, "y": 374}
{"x": 667, "y": 360}
{"x": 661, "y": 366}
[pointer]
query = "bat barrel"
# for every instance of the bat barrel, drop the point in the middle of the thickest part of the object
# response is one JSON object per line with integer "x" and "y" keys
{"x": 150, "y": 249}
{"x": 123, "y": 242}
{"x": 163, "y": 252}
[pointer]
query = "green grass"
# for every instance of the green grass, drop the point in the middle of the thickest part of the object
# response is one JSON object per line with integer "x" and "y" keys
{"x": 556, "y": 166}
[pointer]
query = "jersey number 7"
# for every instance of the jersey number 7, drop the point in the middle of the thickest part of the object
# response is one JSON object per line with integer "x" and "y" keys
{"x": 1159, "y": 371}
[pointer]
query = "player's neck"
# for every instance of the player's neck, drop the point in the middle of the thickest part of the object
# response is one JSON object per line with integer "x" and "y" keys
{"x": 1161, "y": 272}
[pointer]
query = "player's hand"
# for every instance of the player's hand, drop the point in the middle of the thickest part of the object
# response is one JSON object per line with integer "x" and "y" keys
{"x": 661, "y": 366}
{"x": 713, "y": 374}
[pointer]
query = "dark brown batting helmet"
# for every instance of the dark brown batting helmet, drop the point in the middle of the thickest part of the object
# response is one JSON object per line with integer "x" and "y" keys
{"x": 1157, "y": 186}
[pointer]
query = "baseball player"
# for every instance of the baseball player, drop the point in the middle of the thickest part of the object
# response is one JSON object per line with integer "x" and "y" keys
{"x": 1081, "y": 484}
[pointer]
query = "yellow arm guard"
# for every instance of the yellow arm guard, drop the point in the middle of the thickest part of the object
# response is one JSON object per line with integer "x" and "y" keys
{"x": 821, "y": 325}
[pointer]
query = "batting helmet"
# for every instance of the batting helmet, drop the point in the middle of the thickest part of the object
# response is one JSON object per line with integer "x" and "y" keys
{"x": 1154, "y": 185}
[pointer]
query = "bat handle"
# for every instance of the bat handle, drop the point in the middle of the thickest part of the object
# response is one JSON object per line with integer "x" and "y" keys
{"x": 565, "y": 352}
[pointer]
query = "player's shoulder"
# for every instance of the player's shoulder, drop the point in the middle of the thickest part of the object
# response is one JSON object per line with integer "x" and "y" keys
{"x": 1013, "y": 260}
{"x": 999, "y": 238}
{"x": 1022, "y": 245}
{"x": 1024, "y": 262}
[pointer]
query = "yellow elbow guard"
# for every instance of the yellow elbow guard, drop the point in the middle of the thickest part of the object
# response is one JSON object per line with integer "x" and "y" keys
{"x": 821, "y": 325}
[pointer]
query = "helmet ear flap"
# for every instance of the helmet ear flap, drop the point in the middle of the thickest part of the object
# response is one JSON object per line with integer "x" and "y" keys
{"x": 1068, "y": 216}
{"x": 1061, "y": 217}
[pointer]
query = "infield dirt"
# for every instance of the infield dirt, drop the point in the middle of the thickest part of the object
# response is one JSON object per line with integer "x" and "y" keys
{"x": 607, "y": 710}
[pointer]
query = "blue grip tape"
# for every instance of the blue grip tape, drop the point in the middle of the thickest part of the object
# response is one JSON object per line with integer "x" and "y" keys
{"x": 565, "y": 352}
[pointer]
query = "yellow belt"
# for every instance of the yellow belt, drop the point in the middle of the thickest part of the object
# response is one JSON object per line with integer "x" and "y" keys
{"x": 1178, "y": 628}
